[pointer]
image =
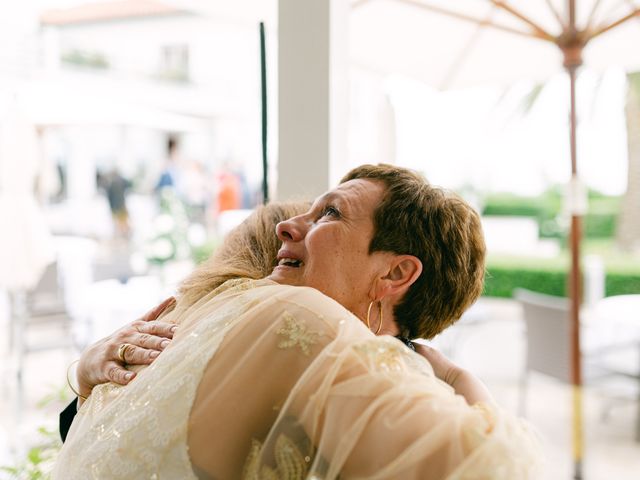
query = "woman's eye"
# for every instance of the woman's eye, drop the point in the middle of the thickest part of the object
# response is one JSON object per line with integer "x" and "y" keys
{"x": 330, "y": 211}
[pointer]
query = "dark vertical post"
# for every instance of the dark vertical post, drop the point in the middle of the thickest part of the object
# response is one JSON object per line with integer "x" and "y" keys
{"x": 263, "y": 77}
{"x": 572, "y": 50}
{"x": 575, "y": 295}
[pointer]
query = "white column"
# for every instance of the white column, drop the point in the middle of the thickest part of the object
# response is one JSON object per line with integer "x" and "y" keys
{"x": 312, "y": 95}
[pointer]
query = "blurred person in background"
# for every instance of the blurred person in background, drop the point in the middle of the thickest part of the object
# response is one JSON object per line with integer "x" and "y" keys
{"x": 229, "y": 190}
{"x": 169, "y": 175}
{"x": 195, "y": 190}
{"x": 116, "y": 188}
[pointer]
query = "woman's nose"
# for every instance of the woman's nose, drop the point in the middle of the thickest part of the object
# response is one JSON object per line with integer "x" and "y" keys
{"x": 292, "y": 230}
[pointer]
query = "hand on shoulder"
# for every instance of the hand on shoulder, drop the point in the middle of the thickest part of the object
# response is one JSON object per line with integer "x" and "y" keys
{"x": 462, "y": 381}
{"x": 144, "y": 339}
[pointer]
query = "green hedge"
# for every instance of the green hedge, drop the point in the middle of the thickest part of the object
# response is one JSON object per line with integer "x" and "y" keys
{"x": 600, "y": 221}
{"x": 519, "y": 209}
{"x": 619, "y": 283}
{"x": 501, "y": 280}
{"x": 600, "y": 225}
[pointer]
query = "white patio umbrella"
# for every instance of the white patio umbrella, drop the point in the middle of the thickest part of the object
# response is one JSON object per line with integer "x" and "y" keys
{"x": 469, "y": 42}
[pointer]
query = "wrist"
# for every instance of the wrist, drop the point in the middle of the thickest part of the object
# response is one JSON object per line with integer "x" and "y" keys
{"x": 453, "y": 375}
{"x": 78, "y": 390}
{"x": 470, "y": 387}
{"x": 84, "y": 387}
{"x": 84, "y": 390}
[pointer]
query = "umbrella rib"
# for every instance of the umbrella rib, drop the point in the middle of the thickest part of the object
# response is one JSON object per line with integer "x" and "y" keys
{"x": 556, "y": 14}
{"x": 508, "y": 8}
{"x": 469, "y": 18}
{"x": 455, "y": 66}
{"x": 592, "y": 14}
{"x": 634, "y": 13}
{"x": 632, "y": 4}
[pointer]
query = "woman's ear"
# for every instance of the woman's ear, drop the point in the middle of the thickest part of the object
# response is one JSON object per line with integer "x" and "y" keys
{"x": 403, "y": 272}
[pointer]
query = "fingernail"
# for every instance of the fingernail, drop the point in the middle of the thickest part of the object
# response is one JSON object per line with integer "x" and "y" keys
{"x": 127, "y": 376}
{"x": 164, "y": 344}
{"x": 154, "y": 354}
{"x": 174, "y": 328}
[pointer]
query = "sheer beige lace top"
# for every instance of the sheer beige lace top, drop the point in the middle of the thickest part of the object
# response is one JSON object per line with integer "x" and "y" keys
{"x": 264, "y": 381}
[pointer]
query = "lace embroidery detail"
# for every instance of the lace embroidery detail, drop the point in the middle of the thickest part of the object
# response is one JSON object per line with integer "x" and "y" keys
{"x": 383, "y": 354}
{"x": 236, "y": 284}
{"x": 143, "y": 433}
{"x": 296, "y": 333}
{"x": 291, "y": 464}
{"x": 391, "y": 355}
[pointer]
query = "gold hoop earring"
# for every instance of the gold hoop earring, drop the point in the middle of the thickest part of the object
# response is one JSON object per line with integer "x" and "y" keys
{"x": 369, "y": 315}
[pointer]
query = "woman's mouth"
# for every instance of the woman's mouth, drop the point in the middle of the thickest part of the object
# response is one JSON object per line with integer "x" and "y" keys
{"x": 290, "y": 262}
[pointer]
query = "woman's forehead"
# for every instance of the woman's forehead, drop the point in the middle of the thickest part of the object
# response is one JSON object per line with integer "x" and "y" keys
{"x": 358, "y": 194}
{"x": 352, "y": 189}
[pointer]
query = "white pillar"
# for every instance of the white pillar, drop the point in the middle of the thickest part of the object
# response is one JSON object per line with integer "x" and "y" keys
{"x": 312, "y": 95}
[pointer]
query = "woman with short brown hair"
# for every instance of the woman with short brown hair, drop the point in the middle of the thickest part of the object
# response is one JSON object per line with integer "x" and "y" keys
{"x": 299, "y": 376}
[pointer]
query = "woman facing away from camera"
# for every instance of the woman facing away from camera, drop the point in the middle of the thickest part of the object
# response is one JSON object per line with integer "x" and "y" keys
{"x": 299, "y": 375}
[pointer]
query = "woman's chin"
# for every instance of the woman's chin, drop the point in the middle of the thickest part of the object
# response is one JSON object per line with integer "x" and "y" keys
{"x": 285, "y": 275}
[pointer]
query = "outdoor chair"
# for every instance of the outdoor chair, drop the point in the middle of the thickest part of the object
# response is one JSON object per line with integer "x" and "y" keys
{"x": 42, "y": 307}
{"x": 116, "y": 267}
{"x": 547, "y": 324}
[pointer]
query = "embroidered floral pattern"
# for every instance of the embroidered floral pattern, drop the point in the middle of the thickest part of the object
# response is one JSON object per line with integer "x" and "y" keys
{"x": 235, "y": 284}
{"x": 291, "y": 464}
{"x": 296, "y": 333}
{"x": 385, "y": 355}
{"x": 149, "y": 440}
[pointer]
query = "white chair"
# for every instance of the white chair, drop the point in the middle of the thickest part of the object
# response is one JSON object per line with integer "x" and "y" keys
{"x": 43, "y": 306}
{"x": 547, "y": 324}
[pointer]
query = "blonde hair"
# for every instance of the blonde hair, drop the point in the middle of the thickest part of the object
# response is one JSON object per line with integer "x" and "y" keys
{"x": 248, "y": 251}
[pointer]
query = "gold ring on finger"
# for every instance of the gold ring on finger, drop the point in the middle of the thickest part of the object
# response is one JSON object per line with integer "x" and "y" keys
{"x": 122, "y": 351}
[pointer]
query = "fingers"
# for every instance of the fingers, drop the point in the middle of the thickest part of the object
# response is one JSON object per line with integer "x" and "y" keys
{"x": 119, "y": 375}
{"x": 159, "y": 329}
{"x": 145, "y": 339}
{"x": 135, "y": 355}
{"x": 148, "y": 341}
{"x": 155, "y": 312}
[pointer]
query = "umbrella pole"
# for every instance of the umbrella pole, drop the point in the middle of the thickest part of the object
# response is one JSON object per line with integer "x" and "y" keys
{"x": 574, "y": 288}
{"x": 572, "y": 43}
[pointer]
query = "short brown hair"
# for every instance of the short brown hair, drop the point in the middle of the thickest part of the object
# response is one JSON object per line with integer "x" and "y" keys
{"x": 442, "y": 231}
{"x": 248, "y": 251}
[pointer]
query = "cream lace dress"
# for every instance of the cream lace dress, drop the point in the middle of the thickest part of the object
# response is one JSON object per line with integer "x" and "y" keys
{"x": 265, "y": 381}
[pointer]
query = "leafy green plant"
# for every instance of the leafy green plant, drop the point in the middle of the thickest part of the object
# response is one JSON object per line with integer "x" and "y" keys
{"x": 40, "y": 457}
{"x": 169, "y": 240}
{"x": 204, "y": 251}
{"x": 84, "y": 58}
